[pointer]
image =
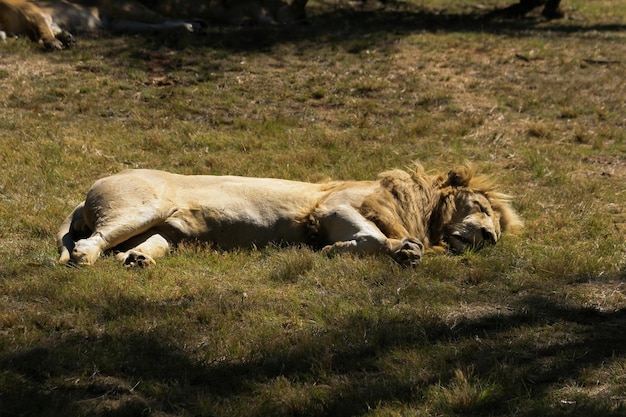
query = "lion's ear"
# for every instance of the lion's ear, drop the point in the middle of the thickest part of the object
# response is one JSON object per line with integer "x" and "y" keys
{"x": 459, "y": 176}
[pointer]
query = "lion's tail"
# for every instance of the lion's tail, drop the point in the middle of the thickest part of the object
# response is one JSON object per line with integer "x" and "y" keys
{"x": 72, "y": 229}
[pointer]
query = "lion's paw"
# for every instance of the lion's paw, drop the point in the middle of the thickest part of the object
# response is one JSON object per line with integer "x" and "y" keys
{"x": 52, "y": 44}
{"x": 66, "y": 39}
{"x": 134, "y": 259}
{"x": 410, "y": 253}
{"x": 85, "y": 252}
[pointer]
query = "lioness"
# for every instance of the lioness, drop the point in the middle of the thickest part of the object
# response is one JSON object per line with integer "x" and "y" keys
{"x": 49, "y": 22}
{"x": 140, "y": 214}
{"x": 19, "y": 17}
{"x": 115, "y": 15}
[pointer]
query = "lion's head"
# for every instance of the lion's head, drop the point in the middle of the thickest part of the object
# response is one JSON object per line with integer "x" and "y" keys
{"x": 471, "y": 213}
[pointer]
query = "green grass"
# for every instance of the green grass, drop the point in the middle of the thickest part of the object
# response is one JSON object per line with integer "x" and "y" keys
{"x": 532, "y": 326}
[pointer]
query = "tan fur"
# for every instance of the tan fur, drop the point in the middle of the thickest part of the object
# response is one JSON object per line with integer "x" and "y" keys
{"x": 19, "y": 17}
{"x": 402, "y": 204}
{"x": 91, "y": 15}
{"x": 140, "y": 214}
{"x": 49, "y": 22}
{"x": 115, "y": 15}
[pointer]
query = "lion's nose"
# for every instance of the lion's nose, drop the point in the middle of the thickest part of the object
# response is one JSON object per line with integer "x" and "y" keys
{"x": 488, "y": 236}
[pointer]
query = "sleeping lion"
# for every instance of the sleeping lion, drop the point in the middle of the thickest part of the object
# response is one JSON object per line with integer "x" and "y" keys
{"x": 19, "y": 17}
{"x": 139, "y": 215}
{"x": 49, "y": 22}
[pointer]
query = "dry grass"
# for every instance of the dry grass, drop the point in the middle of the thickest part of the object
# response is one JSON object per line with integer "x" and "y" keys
{"x": 530, "y": 327}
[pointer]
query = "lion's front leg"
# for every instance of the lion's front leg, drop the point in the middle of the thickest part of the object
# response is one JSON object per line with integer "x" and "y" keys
{"x": 347, "y": 230}
{"x": 407, "y": 251}
{"x": 359, "y": 244}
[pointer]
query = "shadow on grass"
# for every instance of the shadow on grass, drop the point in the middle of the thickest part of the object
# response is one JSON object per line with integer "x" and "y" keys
{"x": 539, "y": 346}
{"x": 345, "y": 24}
{"x": 352, "y": 30}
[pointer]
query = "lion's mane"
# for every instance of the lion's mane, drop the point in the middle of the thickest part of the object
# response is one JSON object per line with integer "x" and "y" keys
{"x": 402, "y": 204}
{"x": 417, "y": 204}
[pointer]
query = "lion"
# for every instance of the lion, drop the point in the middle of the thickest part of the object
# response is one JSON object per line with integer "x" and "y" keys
{"x": 51, "y": 22}
{"x": 139, "y": 215}
{"x": 19, "y": 17}
{"x": 112, "y": 15}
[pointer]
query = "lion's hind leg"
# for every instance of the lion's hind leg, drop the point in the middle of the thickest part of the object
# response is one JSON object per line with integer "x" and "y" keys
{"x": 71, "y": 230}
{"x": 149, "y": 244}
{"x": 141, "y": 250}
{"x": 127, "y": 228}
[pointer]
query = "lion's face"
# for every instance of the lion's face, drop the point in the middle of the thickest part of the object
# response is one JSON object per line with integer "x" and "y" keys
{"x": 474, "y": 223}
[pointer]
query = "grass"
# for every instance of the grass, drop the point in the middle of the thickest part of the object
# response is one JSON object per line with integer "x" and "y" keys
{"x": 529, "y": 327}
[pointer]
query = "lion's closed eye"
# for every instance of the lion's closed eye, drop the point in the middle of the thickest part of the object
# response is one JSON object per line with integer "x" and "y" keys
{"x": 482, "y": 209}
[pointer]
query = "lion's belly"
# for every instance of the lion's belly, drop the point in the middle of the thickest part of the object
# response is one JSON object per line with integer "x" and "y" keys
{"x": 245, "y": 213}
{"x": 228, "y": 229}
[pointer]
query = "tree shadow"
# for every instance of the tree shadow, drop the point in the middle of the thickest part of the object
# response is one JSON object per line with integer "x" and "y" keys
{"x": 399, "y": 19}
{"x": 352, "y": 29}
{"x": 75, "y": 371}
